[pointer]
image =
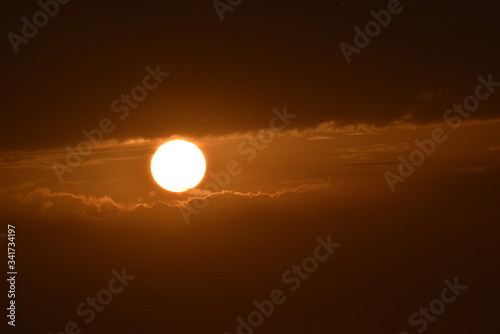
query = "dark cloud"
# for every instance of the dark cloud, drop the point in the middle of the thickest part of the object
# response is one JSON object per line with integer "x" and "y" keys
{"x": 206, "y": 274}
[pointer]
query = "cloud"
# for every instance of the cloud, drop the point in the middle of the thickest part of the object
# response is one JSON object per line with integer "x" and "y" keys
{"x": 365, "y": 152}
{"x": 53, "y": 204}
{"x": 430, "y": 95}
{"x": 199, "y": 194}
{"x": 17, "y": 187}
{"x": 47, "y": 205}
{"x": 110, "y": 151}
{"x": 478, "y": 169}
{"x": 64, "y": 204}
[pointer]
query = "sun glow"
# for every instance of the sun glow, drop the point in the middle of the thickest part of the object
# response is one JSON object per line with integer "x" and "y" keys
{"x": 178, "y": 165}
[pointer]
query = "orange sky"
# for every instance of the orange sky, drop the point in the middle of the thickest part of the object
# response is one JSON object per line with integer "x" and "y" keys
{"x": 389, "y": 156}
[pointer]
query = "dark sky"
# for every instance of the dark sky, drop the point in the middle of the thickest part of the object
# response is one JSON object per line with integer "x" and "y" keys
{"x": 226, "y": 76}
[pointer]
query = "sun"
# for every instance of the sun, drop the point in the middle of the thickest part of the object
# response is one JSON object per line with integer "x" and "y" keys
{"x": 178, "y": 165}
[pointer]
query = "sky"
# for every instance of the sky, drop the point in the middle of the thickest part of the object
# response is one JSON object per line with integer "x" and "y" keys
{"x": 368, "y": 158}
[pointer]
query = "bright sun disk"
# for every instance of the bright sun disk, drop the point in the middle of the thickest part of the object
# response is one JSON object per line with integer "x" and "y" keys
{"x": 178, "y": 165}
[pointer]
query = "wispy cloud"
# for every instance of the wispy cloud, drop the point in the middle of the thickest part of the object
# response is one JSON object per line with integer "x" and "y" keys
{"x": 365, "y": 152}
{"x": 65, "y": 204}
